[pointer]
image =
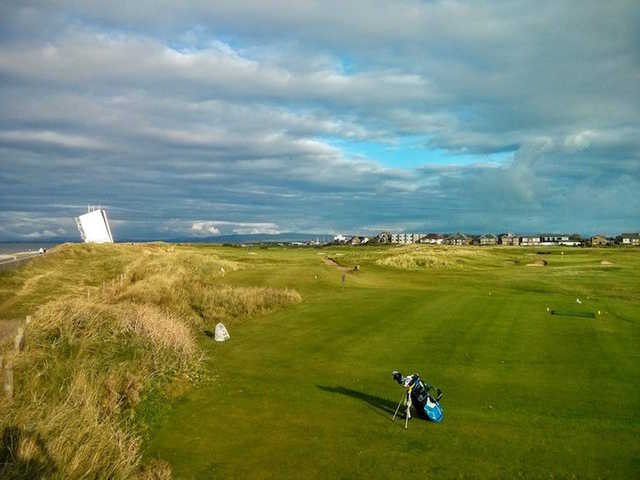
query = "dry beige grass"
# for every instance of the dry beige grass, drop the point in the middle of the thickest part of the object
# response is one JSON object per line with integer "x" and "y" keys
{"x": 234, "y": 302}
{"x": 89, "y": 361}
{"x": 538, "y": 263}
{"x": 76, "y": 438}
{"x": 164, "y": 329}
{"x": 416, "y": 257}
{"x": 77, "y": 388}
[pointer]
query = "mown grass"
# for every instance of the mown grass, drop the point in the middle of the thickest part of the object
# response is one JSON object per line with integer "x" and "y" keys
{"x": 306, "y": 392}
{"x": 118, "y": 323}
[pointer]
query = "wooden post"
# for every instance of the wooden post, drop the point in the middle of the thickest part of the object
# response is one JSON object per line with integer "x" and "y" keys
{"x": 19, "y": 340}
{"x": 8, "y": 381}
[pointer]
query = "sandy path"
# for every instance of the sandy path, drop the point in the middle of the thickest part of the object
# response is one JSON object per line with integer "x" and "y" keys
{"x": 330, "y": 261}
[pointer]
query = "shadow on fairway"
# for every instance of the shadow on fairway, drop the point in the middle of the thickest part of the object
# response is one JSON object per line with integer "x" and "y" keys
{"x": 380, "y": 404}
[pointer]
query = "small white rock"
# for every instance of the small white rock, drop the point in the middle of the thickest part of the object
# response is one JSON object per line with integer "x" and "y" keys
{"x": 221, "y": 333}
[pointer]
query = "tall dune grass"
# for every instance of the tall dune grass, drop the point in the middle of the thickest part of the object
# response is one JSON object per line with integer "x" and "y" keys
{"x": 235, "y": 302}
{"x": 89, "y": 361}
{"x": 416, "y": 257}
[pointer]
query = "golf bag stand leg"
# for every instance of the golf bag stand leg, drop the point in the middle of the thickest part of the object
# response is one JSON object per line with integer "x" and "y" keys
{"x": 408, "y": 414}
{"x": 404, "y": 396}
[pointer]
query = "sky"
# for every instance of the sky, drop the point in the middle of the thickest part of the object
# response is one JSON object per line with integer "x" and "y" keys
{"x": 196, "y": 118}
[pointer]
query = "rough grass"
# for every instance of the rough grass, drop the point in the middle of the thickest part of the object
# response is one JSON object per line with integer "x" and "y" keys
{"x": 235, "y": 302}
{"x": 93, "y": 350}
{"x": 416, "y": 257}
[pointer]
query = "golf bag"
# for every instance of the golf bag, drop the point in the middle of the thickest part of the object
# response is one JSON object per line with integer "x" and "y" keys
{"x": 420, "y": 396}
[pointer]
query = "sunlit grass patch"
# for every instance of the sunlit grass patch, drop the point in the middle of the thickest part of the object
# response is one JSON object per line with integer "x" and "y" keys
{"x": 416, "y": 257}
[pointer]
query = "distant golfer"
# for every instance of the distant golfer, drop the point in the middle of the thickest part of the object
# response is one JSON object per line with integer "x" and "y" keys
{"x": 343, "y": 277}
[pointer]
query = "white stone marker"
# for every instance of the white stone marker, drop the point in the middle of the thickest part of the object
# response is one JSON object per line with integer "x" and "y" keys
{"x": 221, "y": 334}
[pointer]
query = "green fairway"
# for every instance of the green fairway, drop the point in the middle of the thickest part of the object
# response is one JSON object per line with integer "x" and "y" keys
{"x": 306, "y": 391}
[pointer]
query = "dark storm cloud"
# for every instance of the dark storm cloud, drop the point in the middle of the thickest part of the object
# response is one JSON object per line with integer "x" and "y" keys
{"x": 197, "y": 118}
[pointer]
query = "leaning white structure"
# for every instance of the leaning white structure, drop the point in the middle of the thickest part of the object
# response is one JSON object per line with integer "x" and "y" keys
{"x": 94, "y": 226}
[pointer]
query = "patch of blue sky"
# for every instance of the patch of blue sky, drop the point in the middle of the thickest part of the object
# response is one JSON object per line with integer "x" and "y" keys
{"x": 199, "y": 38}
{"x": 412, "y": 152}
{"x": 349, "y": 66}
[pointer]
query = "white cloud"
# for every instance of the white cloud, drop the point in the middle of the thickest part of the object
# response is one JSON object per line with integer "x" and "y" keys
{"x": 239, "y": 228}
{"x": 581, "y": 140}
{"x": 264, "y": 229}
{"x": 205, "y": 228}
{"x": 178, "y": 124}
{"x": 42, "y": 234}
{"x": 50, "y": 137}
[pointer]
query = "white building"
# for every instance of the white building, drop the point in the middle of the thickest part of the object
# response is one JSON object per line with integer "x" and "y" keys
{"x": 529, "y": 240}
{"x": 340, "y": 238}
{"x": 406, "y": 238}
{"x": 630, "y": 239}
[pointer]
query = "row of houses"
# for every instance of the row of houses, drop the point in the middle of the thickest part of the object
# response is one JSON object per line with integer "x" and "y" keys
{"x": 350, "y": 240}
{"x": 508, "y": 239}
{"x": 428, "y": 238}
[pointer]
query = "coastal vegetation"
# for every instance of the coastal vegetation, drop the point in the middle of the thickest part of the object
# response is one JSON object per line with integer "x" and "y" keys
{"x": 116, "y": 324}
{"x": 120, "y": 378}
{"x": 414, "y": 257}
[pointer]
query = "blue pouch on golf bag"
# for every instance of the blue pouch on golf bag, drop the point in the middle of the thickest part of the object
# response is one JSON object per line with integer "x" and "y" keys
{"x": 433, "y": 411}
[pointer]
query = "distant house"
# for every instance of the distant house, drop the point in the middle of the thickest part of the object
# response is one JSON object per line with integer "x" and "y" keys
{"x": 458, "y": 239}
{"x": 405, "y": 238}
{"x": 509, "y": 239}
{"x": 357, "y": 240}
{"x": 553, "y": 239}
{"x": 432, "y": 239}
{"x": 575, "y": 240}
{"x": 488, "y": 239}
{"x": 566, "y": 240}
{"x": 599, "y": 241}
{"x": 415, "y": 237}
{"x": 399, "y": 238}
{"x": 530, "y": 240}
{"x": 630, "y": 239}
{"x": 384, "y": 237}
{"x": 340, "y": 239}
